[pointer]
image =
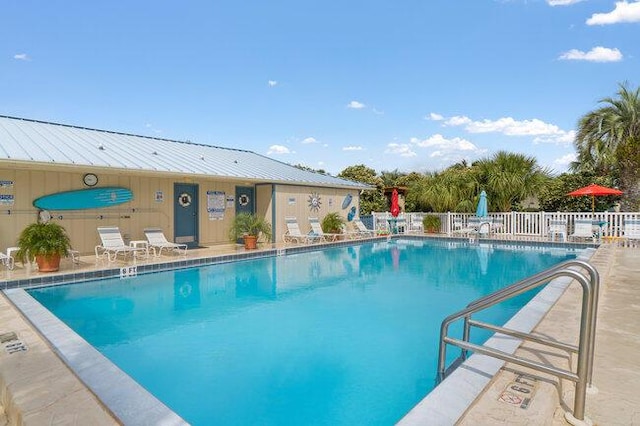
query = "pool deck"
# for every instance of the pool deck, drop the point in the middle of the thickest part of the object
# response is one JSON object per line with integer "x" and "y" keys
{"x": 36, "y": 386}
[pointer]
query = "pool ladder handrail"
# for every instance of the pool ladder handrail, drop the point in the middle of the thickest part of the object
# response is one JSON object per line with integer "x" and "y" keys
{"x": 585, "y": 348}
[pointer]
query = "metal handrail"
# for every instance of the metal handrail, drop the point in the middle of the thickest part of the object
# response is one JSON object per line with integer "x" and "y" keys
{"x": 585, "y": 349}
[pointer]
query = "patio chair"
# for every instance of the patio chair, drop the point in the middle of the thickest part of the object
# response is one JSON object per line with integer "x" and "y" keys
{"x": 7, "y": 260}
{"x": 158, "y": 242}
{"x": 362, "y": 230}
{"x": 113, "y": 244}
{"x": 557, "y": 227}
{"x": 351, "y": 235}
{"x": 293, "y": 234}
{"x": 316, "y": 228}
{"x": 631, "y": 231}
{"x": 582, "y": 228}
{"x": 475, "y": 225}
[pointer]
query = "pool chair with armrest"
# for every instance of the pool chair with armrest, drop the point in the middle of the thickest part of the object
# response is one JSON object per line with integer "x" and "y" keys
{"x": 113, "y": 245}
{"x": 362, "y": 230}
{"x": 582, "y": 228}
{"x": 316, "y": 228}
{"x": 631, "y": 231}
{"x": 557, "y": 227}
{"x": 474, "y": 225}
{"x": 293, "y": 234}
{"x": 158, "y": 242}
{"x": 7, "y": 260}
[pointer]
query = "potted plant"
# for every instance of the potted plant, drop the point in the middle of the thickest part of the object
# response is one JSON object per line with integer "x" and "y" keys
{"x": 46, "y": 242}
{"x": 431, "y": 223}
{"x": 249, "y": 227}
{"x": 332, "y": 223}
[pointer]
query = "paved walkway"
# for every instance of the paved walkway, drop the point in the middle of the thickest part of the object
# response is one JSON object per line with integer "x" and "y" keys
{"x": 44, "y": 391}
{"x": 616, "y": 362}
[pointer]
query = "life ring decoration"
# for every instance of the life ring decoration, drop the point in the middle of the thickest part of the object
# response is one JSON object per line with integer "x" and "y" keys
{"x": 314, "y": 201}
{"x": 243, "y": 200}
{"x": 184, "y": 199}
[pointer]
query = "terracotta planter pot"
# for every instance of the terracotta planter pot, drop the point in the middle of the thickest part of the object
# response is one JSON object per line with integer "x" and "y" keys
{"x": 250, "y": 242}
{"x": 48, "y": 263}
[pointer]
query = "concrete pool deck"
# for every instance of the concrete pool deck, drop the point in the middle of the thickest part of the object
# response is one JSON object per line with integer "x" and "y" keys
{"x": 36, "y": 387}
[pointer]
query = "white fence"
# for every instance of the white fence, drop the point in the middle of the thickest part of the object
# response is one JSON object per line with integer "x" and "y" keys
{"x": 609, "y": 224}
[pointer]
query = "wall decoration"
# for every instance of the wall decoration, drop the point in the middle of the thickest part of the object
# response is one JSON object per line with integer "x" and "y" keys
{"x": 83, "y": 199}
{"x": 6, "y": 199}
{"x": 184, "y": 200}
{"x": 231, "y": 201}
{"x": 352, "y": 213}
{"x": 215, "y": 205}
{"x": 159, "y": 197}
{"x": 347, "y": 201}
{"x": 314, "y": 201}
{"x": 243, "y": 200}
{"x": 292, "y": 201}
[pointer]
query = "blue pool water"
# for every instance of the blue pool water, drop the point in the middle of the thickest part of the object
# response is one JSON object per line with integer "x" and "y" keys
{"x": 341, "y": 336}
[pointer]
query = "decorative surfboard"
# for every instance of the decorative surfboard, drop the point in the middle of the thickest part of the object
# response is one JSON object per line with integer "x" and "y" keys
{"x": 83, "y": 199}
{"x": 347, "y": 201}
{"x": 351, "y": 214}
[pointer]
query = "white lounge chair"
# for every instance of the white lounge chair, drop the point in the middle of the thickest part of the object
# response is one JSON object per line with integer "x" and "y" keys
{"x": 293, "y": 234}
{"x": 475, "y": 225}
{"x": 582, "y": 228}
{"x": 316, "y": 228}
{"x": 7, "y": 260}
{"x": 362, "y": 229}
{"x": 557, "y": 227}
{"x": 631, "y": 231}
{"x": 113, "y": 245}
{"x": 158, "y": 242}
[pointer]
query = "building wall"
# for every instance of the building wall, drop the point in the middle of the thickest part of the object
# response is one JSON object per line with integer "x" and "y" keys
{"x": 293, "y": 200}
{"x": 144, "y": 211}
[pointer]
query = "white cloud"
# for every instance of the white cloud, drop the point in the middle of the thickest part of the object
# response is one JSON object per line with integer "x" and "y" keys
{"x": 279, "y": 150}
{"x": 378, "y": 112}
{"x": 597, "y": 54}
{"x": 435, "y": 117}
{"x": 440, "y": 142}
{"x": 565, "y": 159}
{"x": 352, "y": 148}
{"x": 562, "y": 2}
{"x": 355, "y": 105}
{"x": 152, "y": 128}
{"x": 623, "y": 12}
{"x": 325, "y": 145}
{"x": 457, "y": 121}
{"x": 22, "y": 57}
{"x": 565, "y": 138}
{"x": 272, "y": 83}
{"x": 309, "y": 140}
{"x": 401, "y": 149}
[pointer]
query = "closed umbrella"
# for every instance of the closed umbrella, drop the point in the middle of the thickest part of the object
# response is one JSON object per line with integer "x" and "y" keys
{"x": 395, "y": 207}
{"x": 482, "y": 209}
{"x": 594, "y": 190}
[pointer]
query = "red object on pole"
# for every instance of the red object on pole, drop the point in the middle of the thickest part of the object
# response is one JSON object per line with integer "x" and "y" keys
{"x": 594, "y": 190}
{"x": 395, "y": 207}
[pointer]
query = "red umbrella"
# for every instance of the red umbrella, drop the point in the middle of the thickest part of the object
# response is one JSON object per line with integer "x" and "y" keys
{"x": 594, "y": 190}
{"x": 395, "y": 207}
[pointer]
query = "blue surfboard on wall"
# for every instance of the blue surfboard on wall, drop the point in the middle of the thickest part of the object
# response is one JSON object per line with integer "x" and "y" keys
{"x": 347, "y": 201}
{"x": 83, "y": 199}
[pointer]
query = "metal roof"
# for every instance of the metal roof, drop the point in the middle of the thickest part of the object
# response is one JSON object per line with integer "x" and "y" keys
{"x": 32, "y": 141}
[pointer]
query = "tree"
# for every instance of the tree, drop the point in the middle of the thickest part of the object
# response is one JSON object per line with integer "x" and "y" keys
{"x": 553, "y": 197}
{"x": 370, "y": 200}
{"x": 608, "y": 143}
{"x": 509, "y": 178}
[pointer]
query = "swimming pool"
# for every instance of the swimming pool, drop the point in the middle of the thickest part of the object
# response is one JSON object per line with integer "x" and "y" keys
{"x": 341, "y": 336}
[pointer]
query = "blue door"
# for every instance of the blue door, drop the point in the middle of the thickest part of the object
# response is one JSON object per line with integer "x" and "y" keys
{"x": 185, "y": 217}
{"x": 245, "y": 201}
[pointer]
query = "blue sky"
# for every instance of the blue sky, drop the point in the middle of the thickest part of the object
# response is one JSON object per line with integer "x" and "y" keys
{"x": 412, "y": 85}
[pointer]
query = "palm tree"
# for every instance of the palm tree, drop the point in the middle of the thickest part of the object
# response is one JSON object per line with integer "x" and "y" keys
{"x": 608, "y": 141}
{"x": 509, "y": 178}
